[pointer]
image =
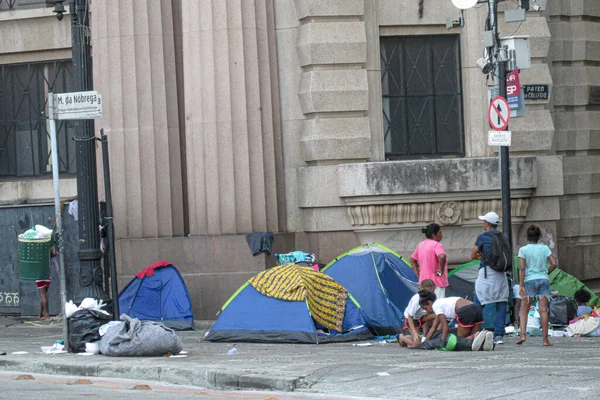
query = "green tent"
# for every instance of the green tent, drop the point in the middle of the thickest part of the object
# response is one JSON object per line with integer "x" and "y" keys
{"x": 462, "y": 282}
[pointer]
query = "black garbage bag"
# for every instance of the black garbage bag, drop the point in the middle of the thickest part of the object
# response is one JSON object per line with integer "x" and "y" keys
{"x": 83, "y": 328}
{"x": 562, "y": 310}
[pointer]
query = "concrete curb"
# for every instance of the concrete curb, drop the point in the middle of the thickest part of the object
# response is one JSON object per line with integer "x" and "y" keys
{"x": 201, "y": 376}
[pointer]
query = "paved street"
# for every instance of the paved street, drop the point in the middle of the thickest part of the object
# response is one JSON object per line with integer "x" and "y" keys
{"x": 569, "y": 369}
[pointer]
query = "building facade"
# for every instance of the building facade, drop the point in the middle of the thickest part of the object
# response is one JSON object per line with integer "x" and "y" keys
{"x": 330, "y": 123}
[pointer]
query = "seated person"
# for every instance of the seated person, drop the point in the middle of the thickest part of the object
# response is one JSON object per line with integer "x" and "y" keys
{"x": 582, "y": 297}
{"x": 414, "y": 315}
{"x": 468, "y": 315}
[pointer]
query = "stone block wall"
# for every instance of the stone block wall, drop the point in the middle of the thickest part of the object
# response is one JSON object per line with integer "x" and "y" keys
{"x": 573, "y": 59}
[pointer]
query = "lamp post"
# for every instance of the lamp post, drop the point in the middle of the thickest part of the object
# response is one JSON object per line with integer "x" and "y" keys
{"x": 89, "y": 254}
{"x": 499, "y": 70}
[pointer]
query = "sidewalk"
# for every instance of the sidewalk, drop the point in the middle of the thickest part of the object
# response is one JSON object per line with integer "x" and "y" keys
{"x": 570, "y": 368}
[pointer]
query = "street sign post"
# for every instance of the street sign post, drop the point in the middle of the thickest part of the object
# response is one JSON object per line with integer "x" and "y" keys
{"x": 77, "y": 105}
{"x": 499, "y": 114}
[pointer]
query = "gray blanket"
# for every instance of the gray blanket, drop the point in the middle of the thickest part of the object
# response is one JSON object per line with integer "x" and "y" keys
{"x": 135, "y": 338}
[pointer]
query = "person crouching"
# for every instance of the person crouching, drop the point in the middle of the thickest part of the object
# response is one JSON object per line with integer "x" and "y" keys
{"x": 469, "y": 316}
{"x": 416, "y": 317}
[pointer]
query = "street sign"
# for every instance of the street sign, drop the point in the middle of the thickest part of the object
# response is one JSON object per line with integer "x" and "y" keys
{"x": 513, "y": 90}
{"x": 499, "y": 138}
{"x": 535, "y": 92}
{"x": 77, "y": 105}
{"x": 499, "y": 114}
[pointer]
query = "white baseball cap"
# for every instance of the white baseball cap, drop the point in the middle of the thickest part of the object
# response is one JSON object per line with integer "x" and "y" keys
{"x": 490, "y": 217}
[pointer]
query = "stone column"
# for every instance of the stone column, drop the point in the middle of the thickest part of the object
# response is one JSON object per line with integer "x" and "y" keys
{"x": 232, "y": 116}
{"x": 134, "y": 70}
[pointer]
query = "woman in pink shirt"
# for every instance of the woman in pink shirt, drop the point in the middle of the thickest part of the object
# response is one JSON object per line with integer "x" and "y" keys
{"x": 429, "y": 260}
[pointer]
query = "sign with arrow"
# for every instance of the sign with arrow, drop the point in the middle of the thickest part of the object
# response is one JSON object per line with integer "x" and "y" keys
{"x": 499, "y": 114}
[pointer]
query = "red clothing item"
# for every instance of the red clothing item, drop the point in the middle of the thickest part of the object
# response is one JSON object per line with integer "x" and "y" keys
{"x": 149, "y": 271}
{"x": 426, "y": 254}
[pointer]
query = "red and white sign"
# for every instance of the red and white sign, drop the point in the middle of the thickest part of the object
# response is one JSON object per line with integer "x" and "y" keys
{"x": 499, "y": 114}
{"x": 513, "y": 84}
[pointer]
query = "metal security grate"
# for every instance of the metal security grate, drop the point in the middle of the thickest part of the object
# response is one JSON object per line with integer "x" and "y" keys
{"x": 422, "y": 96}
{"x": 24, "y": 132}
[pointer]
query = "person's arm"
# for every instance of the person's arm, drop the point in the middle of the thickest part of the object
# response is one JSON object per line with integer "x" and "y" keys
{"x": 444, "y": 323}
{"x": 442, "y": 261}
{"x": 553, "y": 263}
{"x": 475, "y": 253}
{"x": 522, "y": 278}
{"x": 415, "y": 266}
{"x": 411, "y": 326}
{"x": 433, "y": 329}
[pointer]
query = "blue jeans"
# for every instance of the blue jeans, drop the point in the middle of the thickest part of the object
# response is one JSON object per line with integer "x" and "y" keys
{"x": 499, "y": 312}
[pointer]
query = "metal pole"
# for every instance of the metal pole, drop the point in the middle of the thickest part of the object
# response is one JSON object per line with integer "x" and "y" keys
{"x": 90, "y": 271}
{"x": 503, "y": 154}
{"x": 110, "y": 228}
{"x": 58, "y": 212}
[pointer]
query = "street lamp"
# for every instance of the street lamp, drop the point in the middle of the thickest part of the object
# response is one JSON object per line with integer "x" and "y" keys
{"x": 89, "y": 254}
{"x": 498, "y": 66}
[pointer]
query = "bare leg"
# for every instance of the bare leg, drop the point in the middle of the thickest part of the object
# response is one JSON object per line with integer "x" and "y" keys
{"x": 525, "y": 304}
{"x": 44, "y": 314}
{"x": 545, "y": 320}
{"x": 516, "y": 311}
{"x": 474, "y": 330}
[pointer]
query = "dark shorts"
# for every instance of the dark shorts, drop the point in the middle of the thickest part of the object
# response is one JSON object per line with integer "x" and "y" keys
{"x": 469, "y": 315}
{"x": 417, "y": 322}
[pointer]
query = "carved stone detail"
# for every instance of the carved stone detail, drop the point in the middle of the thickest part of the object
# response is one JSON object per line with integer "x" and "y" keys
{"x": 445, "y": 213}
{"x": 448, "y": 213}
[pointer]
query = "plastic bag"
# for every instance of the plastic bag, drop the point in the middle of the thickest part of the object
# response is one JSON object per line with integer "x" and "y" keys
{"x": 562, "y": 310}
{"x": 83, "y": 328}
{"x": 135, "y": 338}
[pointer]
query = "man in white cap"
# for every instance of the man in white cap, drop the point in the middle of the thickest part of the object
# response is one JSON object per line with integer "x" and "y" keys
{"x": 491, "y": 286}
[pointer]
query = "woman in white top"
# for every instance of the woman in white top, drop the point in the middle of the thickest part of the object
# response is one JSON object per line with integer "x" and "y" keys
{"x": 414, "y": 314}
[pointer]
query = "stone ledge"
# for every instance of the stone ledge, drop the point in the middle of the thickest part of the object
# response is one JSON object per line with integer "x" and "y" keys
{"x": 432, "y": 176}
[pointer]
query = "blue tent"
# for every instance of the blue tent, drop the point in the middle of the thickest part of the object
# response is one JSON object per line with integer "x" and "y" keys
{"x": 380, "y": 280}
{"x": 158, "y": 293}
{"x": 250, "y": 316}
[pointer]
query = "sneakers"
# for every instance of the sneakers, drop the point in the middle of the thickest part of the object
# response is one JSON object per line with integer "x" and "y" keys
{"x": 488, "y": 344}
{"x": 478, "y": 341}
{"x": 498, "y": 340}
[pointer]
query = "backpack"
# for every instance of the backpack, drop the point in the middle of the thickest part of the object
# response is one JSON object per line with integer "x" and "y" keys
{"x": 500, "y": 257}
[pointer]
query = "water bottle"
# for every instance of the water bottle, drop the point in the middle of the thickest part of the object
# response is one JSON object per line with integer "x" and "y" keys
{"x": 232, "y": 351}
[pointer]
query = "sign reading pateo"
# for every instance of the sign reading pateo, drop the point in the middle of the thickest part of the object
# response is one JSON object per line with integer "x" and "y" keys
{"x": 535, "y": 92}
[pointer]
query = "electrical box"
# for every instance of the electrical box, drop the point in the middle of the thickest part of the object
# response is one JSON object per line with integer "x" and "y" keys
{"x": 520, "y": 44}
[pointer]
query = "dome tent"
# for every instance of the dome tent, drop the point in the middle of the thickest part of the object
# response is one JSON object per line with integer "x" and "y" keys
{"x": 158, "y": 293}
{"x": 380, "y": 280}
{"x": 290, "y": 304}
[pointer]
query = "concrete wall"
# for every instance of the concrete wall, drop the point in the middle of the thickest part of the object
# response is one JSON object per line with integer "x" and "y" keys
{"x": 573, "y": 59}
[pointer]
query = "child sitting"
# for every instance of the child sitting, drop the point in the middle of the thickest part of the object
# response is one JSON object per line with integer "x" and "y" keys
{"x": 414, "y": 314}
{"x": 582, "y": 297}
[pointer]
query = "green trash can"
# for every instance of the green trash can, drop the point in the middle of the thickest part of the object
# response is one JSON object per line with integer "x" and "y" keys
{"x": 34, "y": 258}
